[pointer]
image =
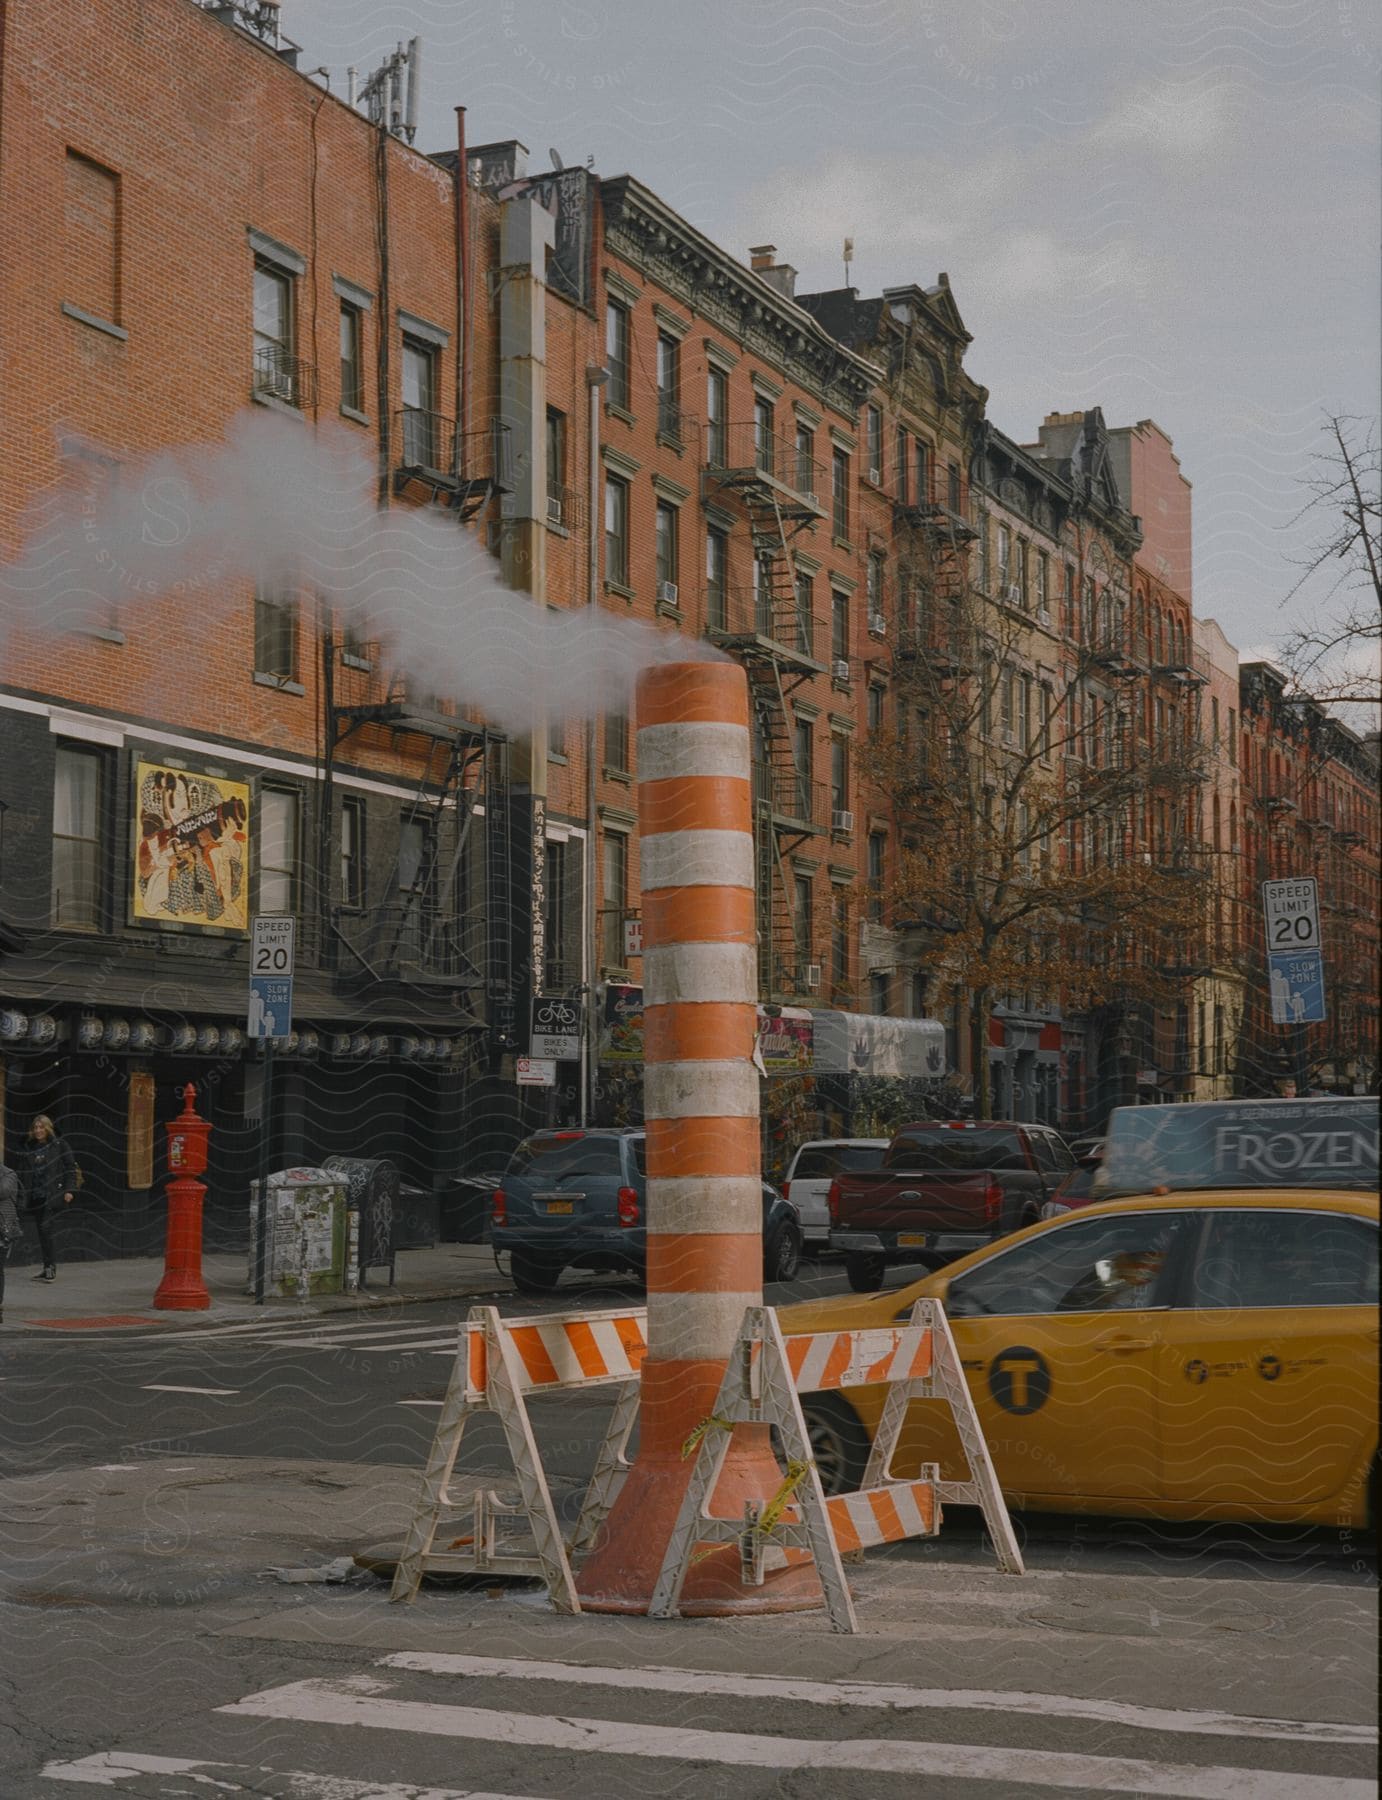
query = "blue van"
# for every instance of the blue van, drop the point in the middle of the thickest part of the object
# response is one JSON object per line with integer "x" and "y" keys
{"x": 577, "y": 1199}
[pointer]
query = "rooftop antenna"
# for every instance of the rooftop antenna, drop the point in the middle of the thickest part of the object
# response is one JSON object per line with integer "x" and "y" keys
{"x": 557, "y": 164}
{"x": 390, "y": 96}
{"x": 849, "y": 257}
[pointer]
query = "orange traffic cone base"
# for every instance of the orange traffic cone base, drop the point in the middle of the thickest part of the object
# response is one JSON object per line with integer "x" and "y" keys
{"x": 621, "y": 1571}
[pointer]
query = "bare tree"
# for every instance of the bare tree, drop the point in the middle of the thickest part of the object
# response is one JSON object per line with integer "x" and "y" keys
{"x": 1047, "y": 844}
{"x": 1336, "y": 657}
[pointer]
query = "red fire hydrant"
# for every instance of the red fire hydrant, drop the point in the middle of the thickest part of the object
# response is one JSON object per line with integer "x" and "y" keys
{"x": 182, "y": 1288}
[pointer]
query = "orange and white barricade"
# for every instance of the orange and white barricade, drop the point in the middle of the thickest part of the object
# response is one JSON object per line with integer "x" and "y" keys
{"x": 499, "y": 1363}
{"x": 763, "y": 1385}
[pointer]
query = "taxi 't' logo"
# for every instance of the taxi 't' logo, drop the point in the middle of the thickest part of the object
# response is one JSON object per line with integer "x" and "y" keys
{"x": 1019, "y": 1379}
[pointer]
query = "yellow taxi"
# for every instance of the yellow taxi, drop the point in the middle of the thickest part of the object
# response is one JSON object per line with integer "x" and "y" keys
{"x": 1203, "y": 1347}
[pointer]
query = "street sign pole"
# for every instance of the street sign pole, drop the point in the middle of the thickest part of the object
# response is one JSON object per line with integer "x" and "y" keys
{"x": 273, "y": 945}
{"x": 266, "y": 1117}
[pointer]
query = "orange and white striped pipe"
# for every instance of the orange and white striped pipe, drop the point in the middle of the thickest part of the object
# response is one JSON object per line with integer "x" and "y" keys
{"x": 701, "y": 1106}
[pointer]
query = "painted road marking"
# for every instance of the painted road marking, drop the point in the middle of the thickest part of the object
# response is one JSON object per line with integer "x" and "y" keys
{"x": 109, "y": 1767}
{"x": 361, "y": 1700}
{"x": 159, "y": 1387}
{"x": 879, "y": 1694}
{"x": 421, "y": 1403}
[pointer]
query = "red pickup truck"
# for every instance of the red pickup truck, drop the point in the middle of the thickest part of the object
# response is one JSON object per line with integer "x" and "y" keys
{"x": 945, "y": 1187}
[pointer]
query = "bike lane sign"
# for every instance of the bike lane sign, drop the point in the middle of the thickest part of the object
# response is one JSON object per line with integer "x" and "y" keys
{"x": 272, "y": 945}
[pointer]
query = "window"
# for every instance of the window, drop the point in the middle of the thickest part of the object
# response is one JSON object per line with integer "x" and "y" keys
{"x": 903, "y": 484}
{"x": 352, "y": 890}
{"x": 763, "y": 622}
{"x": 873, "y": 439}
{"x": 922, "y": 467}
{"x": 805, "y": 922}
{"x": 424, "y": 445}
{"x": 1005, "y": 560}
{"x": 716, "y": 594}
{"x": 839, "y": 775}
{"x": 352, "y": 359}
{"x": 617, "y": 392}
{"x": 839, "y": 949}
{"x": 985, "y": 553}
{"x": 617, "y": 742}
{"x": 839, "y": 491}
{"x": 953, "y": 488}
{"x": 616, "y": 530}
{"x": 717, "y": 418}
{"x": 1279, "y": 1258}
{"x": 839, "y": 626}
{"x": 1220, "y": 1041}
{"x": 875, "y": 706}
{"x": 1103, "y": 1265}
{"x": 556, "y": 468}
{"x": 1021, "y": 572}
{"x": 666, "y": 548}
{"x": 417, "y": 863}
{"x": 877, "y": 851}
{"x": 764, "y": 440}
{"x": 1232, "y": 737}
{"x": 668, "y": 386}
{"x": 1043, "y": 584}
{"x": 275, "y": 634}
{"x": 806, "y": 461}
{"x": 91, "y": 272}
{"x": 278, "y": 851}
{"x": 1071, "y": 623}
{"x": 273, "y": 333}
{"x": 614, "y": 871}
{"x": 1008, "y": 702}
{"x": 76, "y": 894}
{"x": 879, "y": 985}
{"x": 803, "y": 761}
{"x": 874, "y": 586}
{"x": 805, "y": 597}
{"x": 1024, "y": 730}
{"x": 1214, "y": 719}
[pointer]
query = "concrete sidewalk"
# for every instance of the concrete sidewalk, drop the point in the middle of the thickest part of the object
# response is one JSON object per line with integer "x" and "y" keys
{"x": 92, "y": 1295}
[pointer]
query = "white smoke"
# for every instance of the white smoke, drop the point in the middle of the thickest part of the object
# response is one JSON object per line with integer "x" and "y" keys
{"x": 295, "y": 511}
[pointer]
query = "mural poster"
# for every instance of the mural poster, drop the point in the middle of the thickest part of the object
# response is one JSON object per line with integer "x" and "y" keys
{"x": 191, "y": 853}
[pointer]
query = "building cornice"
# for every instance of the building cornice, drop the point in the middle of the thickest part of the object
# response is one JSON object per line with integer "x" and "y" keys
{"x": 658, "y": 242}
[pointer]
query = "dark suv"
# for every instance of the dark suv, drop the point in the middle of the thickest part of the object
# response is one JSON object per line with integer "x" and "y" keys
{"x": 578, "y": 1199}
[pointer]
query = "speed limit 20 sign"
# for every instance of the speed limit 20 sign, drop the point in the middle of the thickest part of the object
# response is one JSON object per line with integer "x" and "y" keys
{"x": 1293, "y": 914}
{"x": 272, "y": 944}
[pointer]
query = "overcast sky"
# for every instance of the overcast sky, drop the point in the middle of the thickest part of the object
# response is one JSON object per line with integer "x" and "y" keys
{"x": 1168, "y": 209}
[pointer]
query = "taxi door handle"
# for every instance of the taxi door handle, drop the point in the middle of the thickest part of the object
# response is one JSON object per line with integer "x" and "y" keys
{"x": 1120, "y": 1344}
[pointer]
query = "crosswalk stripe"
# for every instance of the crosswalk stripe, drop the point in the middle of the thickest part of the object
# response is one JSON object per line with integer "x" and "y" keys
{"x": 358, "y": 1701}
{"x": 157, "y": 1387}
{"x": 109, "y": 1767}
{"x": 882, "y": 1695}
{"x": 397, "y": 1344}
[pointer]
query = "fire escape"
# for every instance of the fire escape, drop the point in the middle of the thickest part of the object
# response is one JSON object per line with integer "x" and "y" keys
{"x": 933, "y": 561}
{"x": 772, "y": 631}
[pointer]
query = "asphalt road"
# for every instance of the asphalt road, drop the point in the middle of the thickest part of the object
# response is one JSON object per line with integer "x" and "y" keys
{"x": 154, "y": 1480}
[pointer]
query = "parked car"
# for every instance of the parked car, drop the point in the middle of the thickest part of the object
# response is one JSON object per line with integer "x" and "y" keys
{"x": 1081, "y": 1147}
{"x": 815, "y": 1166}
{"x": 577, "y": 1199}
{"x": 1204, "y": 1351}
{"x": 1077, "y": 1187}
{"x": 945, "y": 1186}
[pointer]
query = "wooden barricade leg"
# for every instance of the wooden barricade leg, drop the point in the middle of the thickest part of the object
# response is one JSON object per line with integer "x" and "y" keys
{"x": 982, "y": 1488}
{"x": 757, "y": 1389}
{"x": 506, "y": 1401}
{"x": 441, "y": 1461}
{"x": 611, "y": 1467}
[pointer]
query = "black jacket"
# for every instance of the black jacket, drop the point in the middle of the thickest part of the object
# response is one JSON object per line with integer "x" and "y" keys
{"x": 46, "y": 1172}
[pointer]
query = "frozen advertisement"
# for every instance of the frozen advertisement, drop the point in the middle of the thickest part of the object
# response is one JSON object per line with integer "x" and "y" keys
{"x": 191, "y": 852}
{"x": 1315, "y": 1143}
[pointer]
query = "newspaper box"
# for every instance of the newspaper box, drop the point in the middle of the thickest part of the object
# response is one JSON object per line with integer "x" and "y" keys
{"x": 309, "y": 1249}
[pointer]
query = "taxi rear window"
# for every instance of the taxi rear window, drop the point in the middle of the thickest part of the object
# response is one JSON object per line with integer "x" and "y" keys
{"x": 1319, "y": 1143}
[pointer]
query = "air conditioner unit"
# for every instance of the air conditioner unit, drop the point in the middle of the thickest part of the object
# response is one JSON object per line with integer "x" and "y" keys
{"x": 839, "y": 669}
{"x": 811, "y": 976}
{"x": 1013, "y": 593}
{"x": 553, "y": 510}
{"x": 667, "y": 593}
{"x": 1009, "y": 735}
{"x": 876, "y": 477}
{"x": 842, "y": 821}
{"x": 878, "y": 625}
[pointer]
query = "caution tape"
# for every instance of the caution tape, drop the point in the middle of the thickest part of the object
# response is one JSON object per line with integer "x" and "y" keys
{"x": 714, "y": 1423}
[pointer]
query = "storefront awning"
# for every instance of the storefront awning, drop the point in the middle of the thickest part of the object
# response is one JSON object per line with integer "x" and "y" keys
{"x": 865, "y": 1044}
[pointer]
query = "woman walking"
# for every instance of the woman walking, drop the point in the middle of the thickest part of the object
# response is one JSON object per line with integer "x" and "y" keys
{"x": 47, "y": 1179}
